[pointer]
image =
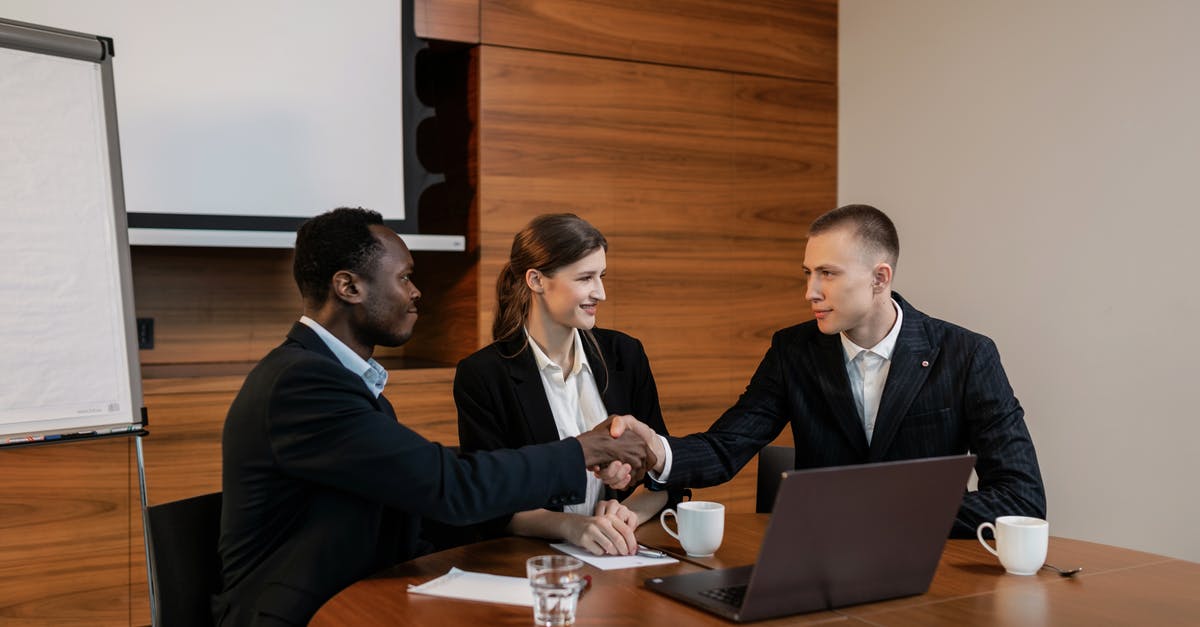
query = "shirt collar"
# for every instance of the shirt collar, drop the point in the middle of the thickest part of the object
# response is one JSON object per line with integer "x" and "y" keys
{"x": 543, "y": 360}
{"x": 371, "y": 372}
{"x": 884, "y": 348}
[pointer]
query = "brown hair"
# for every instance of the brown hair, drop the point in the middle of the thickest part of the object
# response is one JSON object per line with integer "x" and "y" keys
{"x": 871, "y": 225}
{"x": 549, "y": 242}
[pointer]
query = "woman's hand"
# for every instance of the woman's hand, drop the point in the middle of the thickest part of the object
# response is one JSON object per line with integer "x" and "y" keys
{"x": 609, "y": 532}
{"x": 617, "y": 509}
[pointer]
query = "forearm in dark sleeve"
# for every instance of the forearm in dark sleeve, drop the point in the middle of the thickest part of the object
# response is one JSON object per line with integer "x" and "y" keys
{"x": 353, "y": 447}
{"x": 715, "y": 456}
{"x": 1010, "y": 482}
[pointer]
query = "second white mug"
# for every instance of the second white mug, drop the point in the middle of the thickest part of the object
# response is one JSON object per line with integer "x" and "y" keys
{"x": 1021, "y": 543}
{"x": 701, "y": 526}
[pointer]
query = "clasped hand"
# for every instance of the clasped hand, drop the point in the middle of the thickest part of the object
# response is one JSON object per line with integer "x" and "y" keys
{"x": 608, "y": 532}
{"x": 618, "y": 452}
{"x": 617, "y": 474}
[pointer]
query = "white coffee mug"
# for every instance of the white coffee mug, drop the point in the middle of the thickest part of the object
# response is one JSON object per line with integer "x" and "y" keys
{"x": 1020, "y": 543}
{"x": 701, "y": 526}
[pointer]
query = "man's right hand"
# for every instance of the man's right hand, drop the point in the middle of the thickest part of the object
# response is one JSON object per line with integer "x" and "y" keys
{"x": 629, "y": 423}
{"x": 601, "y": 446}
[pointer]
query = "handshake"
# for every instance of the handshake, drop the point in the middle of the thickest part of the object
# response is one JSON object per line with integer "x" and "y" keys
{"x": 621, "y": 450}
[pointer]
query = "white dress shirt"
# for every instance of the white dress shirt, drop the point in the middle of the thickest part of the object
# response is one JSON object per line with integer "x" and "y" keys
{"x": 372, "y": 373}
{"x": 868, "y": 370}
{"x": 576, "y": 405}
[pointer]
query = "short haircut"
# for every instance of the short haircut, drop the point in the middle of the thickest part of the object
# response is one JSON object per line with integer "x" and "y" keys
{"x": 336, "y": 240}
{"x": 871, "y": 225}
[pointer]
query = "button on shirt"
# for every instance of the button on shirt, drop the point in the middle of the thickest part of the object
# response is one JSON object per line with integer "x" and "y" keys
{"x": 576, "y": 405}
{"x": 868, "y": 370}
{"x": 373, "y": 375}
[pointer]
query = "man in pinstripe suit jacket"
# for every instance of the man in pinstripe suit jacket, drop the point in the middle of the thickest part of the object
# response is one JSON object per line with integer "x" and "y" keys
{"x": 871, "y": 379}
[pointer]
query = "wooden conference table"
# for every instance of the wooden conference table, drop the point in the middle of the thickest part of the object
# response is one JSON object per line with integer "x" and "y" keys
{"x": 1117, "y": 587}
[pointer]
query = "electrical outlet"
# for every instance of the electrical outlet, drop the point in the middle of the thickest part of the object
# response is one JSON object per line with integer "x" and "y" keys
{"x": 145, "y": 331}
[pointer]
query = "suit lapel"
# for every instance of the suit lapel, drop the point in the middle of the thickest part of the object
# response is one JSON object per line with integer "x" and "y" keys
{"x": 527, "y": 385}
{"x": 306, "y": 337}
{"x": 835, "y": 386}
{"x": 912, "y": 361}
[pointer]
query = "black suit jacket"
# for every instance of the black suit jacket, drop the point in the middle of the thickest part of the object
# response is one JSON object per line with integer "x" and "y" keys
{"x": 502, "y": 404}
{"x": 322, "y": 485}
{"x": 946, "y": 393}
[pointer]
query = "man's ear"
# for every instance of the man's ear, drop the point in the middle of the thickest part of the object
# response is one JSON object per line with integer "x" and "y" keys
{"x": 347, "y": 287}
{"x": 533, "y": 279}
{"x": 882, "y": 277}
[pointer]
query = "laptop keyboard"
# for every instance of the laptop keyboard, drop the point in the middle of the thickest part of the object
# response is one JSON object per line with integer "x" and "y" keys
{"x": 731, "y": 595}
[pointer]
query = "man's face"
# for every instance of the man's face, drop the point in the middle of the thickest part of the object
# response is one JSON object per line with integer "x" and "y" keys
{"x": 841, "y": 281}
{"x": 389, "y": 306}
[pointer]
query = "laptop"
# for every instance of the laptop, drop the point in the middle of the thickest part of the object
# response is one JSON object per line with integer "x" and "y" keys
{"x": 838, "y": 536}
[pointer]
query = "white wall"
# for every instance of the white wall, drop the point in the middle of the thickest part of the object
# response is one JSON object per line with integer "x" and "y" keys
{"x": 1041, "y": 159}
{"x": 261, "y": 108}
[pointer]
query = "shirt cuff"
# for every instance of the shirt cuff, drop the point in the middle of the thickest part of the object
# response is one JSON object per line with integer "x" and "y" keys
{"x": 659, "y": 481}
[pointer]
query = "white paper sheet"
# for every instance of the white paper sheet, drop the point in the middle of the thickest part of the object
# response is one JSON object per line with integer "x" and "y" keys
{"x": 462, "y": 584}
{"x": 612, "y": 562}
{"x": 65, "y": 360}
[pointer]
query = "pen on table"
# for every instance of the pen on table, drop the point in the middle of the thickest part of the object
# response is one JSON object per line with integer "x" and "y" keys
{"x": 645, "y": 551}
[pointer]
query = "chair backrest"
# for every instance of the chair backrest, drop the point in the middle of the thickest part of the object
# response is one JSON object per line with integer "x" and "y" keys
{"x": 773, "y": 461}
{"x": 185, "y": 564}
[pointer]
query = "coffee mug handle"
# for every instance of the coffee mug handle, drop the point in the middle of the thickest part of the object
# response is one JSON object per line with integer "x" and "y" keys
{"x": 662, "y": 520}
{"x": 979, "y": 534}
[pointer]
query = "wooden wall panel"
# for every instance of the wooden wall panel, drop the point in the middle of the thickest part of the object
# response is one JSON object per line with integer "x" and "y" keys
{"x": 218, "y": 311}
{"x": 447, "y": 20}
{"x": 64, "y": 534}
{"x": 704, "y": 183}
{"x": 699, "y": 135}
{"x": 789, "y": 38}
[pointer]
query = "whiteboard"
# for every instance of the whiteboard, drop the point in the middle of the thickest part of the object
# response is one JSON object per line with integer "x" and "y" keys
{"x": 69, "y": 361}
{"x": 272, "y": 108}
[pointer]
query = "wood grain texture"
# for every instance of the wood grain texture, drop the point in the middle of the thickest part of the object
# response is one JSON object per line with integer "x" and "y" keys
{"x": 183, "y": 451}
{"x": 232, "y": 306}
{"x": 703, "y": 182}
{"x": 692, "y": 145}
{"x": 1124, "y": 587}
{"x": 788, "y": 38}
{"x": 1161, "y": 592}
{"x": 447, "y": 20}
{"x": 64, "y": 534}
{"x": 616, "y": 597}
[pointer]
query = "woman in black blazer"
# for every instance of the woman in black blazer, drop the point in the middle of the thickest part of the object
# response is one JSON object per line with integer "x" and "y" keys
{"x": 550, "y": 374}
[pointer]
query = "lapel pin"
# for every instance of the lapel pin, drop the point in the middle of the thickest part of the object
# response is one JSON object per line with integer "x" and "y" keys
{"x": 925, "y": 364}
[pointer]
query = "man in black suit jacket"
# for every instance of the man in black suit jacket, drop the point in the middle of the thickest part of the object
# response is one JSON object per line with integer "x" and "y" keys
{"x": 871, "y": 379}
{"x": 322, "y": 485}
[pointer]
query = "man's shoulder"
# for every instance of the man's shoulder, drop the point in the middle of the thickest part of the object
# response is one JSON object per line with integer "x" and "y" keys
{"x": 943, "y": 332}
{"x": 950, "y": 330}
{"x": 803, "y": 332}
{"x": 292, "y": 359}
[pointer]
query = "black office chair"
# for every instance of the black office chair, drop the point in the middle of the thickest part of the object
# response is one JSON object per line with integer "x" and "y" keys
{"x": 772, "y": 462}
{"x": 184, "y": 561}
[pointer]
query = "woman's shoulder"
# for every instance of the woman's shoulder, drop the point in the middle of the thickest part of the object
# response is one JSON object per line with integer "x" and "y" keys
{"x": 613, "y": 341}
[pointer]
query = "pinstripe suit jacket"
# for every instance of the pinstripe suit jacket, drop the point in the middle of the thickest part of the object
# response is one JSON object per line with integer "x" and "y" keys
{"x": 946, "y": 393}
